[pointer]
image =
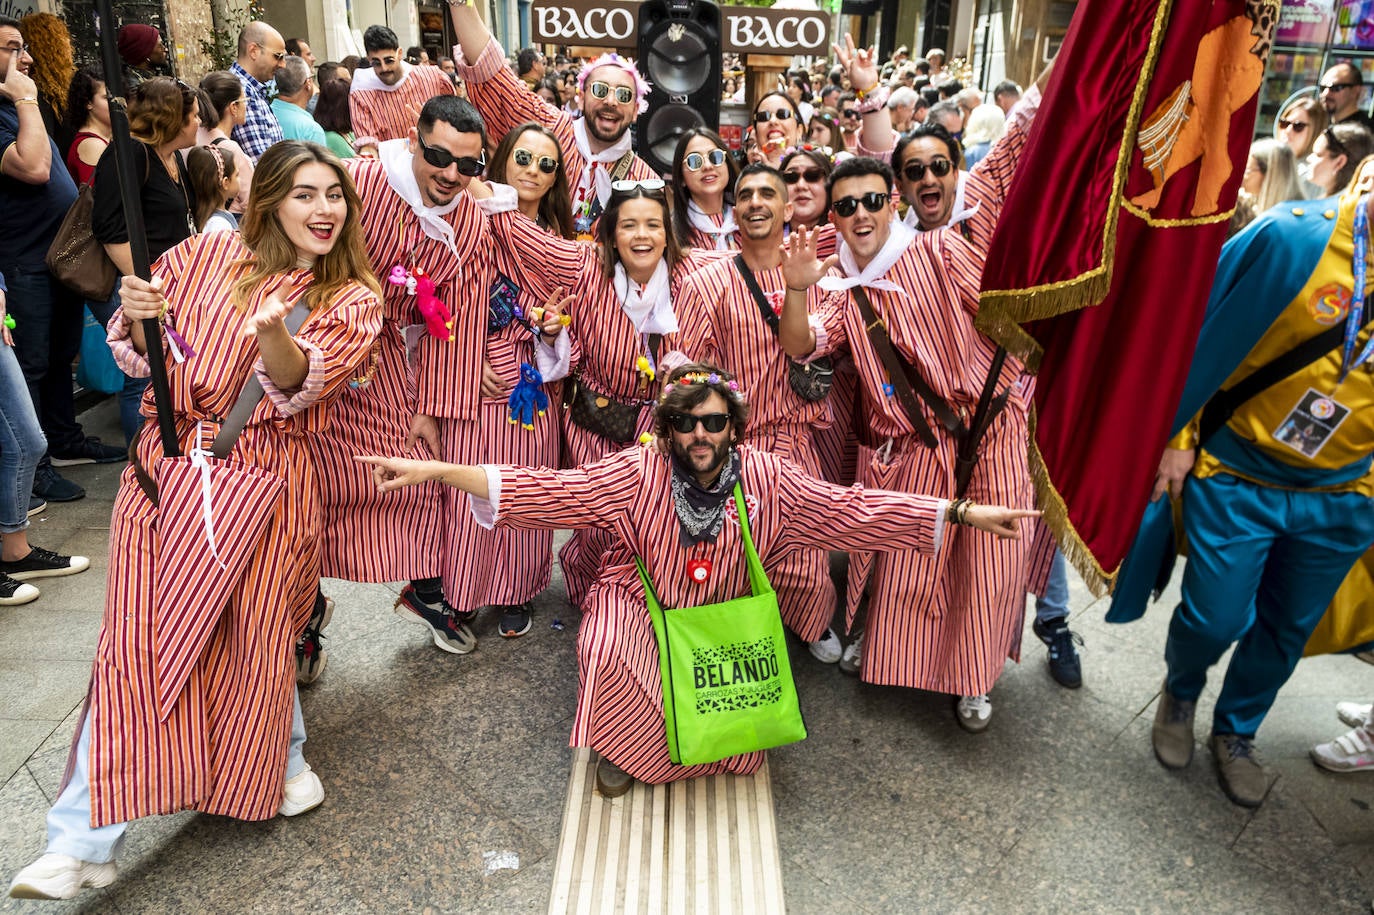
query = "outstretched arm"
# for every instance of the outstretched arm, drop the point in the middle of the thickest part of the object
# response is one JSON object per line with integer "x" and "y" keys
{"x": 397, "y": 473}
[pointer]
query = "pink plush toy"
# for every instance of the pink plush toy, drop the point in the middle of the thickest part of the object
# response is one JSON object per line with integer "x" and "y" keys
{"x": 438, "y": 319}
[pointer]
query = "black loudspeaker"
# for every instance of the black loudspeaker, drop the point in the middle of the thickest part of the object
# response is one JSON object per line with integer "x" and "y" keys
{"x": 679, "y": 54}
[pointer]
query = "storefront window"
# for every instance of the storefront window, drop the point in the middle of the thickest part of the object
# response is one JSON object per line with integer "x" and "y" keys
{"x": 1311, "y": 36}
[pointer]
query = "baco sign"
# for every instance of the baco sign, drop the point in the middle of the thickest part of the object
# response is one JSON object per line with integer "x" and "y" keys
{"x": 744, "y": 29}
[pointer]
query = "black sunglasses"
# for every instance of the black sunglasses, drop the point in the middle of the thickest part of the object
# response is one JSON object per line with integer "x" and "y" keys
{"x": 872, "y": 201}
{"x": 809, "y": 175}
{"x": 939, "y": 167}
{"x": 623, "y": 94}
{"x": 850, "y": 112}
{"x": 442, "y": 158}
{"x": 763, "y": 117}
{"x": 1335, "y": 87}
{"x": 686, "y": 422}
{"x": 1295, "y": 126}
{"x": 695, "y": 162}
{"x": 523, "y": 157}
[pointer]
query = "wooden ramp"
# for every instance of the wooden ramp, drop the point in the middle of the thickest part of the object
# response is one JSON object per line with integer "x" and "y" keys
{"x": 708, "y": 845}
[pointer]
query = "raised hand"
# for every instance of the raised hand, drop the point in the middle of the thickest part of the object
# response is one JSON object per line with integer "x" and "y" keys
{"x": 800, "y": 268}
{"x": 549, "y": 322}
{"x": 859, "y": 63}
{"x": 272, "y": 312}
{"x": 16, "y": 83}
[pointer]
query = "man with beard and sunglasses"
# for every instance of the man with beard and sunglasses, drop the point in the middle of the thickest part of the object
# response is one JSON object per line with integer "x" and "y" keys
{"x": 597, "y": 147}
{"x": 945, "y": 623}
{"x": 419, "y": 224}
{"x": 672, "y": 506}
{"x": 387, "y": 92}
{"x": 742, "y": 296}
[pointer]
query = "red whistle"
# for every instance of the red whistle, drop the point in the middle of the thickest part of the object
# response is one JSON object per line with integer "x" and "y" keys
{"x": 699, "y": 570}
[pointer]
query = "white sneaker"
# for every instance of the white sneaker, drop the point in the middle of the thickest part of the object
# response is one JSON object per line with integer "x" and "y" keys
{"x": 60, "y": 877}
{"x": 1352, "y": 714}
{"x": 303, "y": 792}
{"x": 853, "y": 656}
{"x": 974, "y": 713}
{"x": 827, "y": 649}
{"x": 1351, "y": 752}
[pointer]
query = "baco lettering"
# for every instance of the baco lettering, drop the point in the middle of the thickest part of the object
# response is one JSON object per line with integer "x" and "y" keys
{"x": 593, "y": 25}
{"x": 789, "y": 32}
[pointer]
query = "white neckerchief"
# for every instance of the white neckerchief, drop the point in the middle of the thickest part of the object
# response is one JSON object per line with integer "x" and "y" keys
{"x": 704, "y": 222}
{"x": 956, "y": 215}
{"x": 395, "y": 156}
{"x": 650, "y": 309}
{"x": 898, "y": 241}
{"x": 365, "y": 78}
{"x": 606, "y": 158}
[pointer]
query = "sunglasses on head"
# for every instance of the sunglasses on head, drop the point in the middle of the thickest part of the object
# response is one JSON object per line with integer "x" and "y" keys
{"x": 687, "y": 422}
{"x": 848, "y": 206}
{"x": 695, "y": 162}
{"x": 375, "y": 62}
{"x": 547, "y": 164}
{"x": 626, "y": 185}
{"x": 809, "y": 175}
{"x": 439, "y": 157}
{"x": 623, "y": 94}
{"x": 939, "y": 167}
{"x": 1295, "y": 126}
{"x": 763, "y": 117}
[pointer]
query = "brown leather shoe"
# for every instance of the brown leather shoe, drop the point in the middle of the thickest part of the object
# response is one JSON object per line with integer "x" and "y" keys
{"x": 611, "y": 780}
{"x": 1172, "y": 733}
{"x": 1239, "y": 770}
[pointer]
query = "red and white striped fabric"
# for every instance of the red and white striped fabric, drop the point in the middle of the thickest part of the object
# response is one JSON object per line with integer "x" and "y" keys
{"x": 944, "y": 624}
{"x": 699, "y": 238}
{"x": 741, "y": 342}
{"x": 222, "y": 749}
{"x": 388, "y": 114}
{"x": 605, "y": 347}
{"x": 620, "y": 697}
{"x": 368, "y": 536}
{"x": 506, "y": 102}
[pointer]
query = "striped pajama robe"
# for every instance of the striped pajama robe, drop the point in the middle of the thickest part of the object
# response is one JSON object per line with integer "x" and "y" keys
{"x": 739, "y": 341}
{"x": 223, "y": 747}
{"x": 388, "y": 114}
{"x": 944, "y": 623}
{"x": 627, "y": 495}
{"x": 604, "y": 349}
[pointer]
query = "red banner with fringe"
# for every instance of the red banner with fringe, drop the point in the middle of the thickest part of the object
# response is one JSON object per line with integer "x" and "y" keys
{"x": 1100, "y": 268}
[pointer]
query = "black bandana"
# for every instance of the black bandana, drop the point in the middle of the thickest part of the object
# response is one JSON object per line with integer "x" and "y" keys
{"x": 701, "y": 511}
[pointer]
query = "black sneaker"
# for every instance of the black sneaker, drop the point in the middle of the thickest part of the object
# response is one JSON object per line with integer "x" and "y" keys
{"x": 13, "y": 593}
{"x": 449, "y": 634}
{"x": 515, "y": 621}
{"x": 41, "y": 563}
{"x": 37, "y": 505}
{"x": 51, "y": 486}
{"x": 91, "y": 450}
{"x": 1065, "y": 666}
{"x": 311, "y": 656}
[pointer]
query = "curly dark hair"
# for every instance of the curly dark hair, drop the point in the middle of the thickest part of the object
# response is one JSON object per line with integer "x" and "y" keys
{"x": 682, "y": 397}
{"x": 86, "y": 82}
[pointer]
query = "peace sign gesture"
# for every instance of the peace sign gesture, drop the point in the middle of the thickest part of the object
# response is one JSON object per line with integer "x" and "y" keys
{"x": 861, "y": 64}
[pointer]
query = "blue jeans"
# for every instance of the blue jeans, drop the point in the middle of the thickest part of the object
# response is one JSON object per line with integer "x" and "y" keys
{"x": 1055, "y": 604}
{"x": 131, "y": 396}
{"x": 69, "y": 821}
{"x": 1263, "y": 564}
{"x": 48, "y": 321}
{"x": 21, "y": 444}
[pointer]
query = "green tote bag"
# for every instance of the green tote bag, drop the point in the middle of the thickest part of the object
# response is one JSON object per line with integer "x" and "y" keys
{"x": 727, "y": 683}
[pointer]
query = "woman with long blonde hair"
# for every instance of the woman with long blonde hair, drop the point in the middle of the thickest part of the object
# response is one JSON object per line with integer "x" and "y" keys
{"x": 228, "y": 740}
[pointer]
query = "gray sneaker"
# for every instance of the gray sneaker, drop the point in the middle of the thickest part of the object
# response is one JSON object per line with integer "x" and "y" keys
{"x": 1172, "y": 734}
{"x": 1239, "y": 770}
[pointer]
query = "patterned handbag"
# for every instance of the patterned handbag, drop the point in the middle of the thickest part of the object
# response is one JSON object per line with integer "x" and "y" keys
{"x": 601, "y": 414}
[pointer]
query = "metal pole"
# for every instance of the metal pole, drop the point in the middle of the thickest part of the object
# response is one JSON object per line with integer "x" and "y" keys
{"x": 130, "y": 191}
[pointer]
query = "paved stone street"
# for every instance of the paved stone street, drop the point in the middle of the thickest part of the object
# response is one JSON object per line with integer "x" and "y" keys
{"x": 445, "y": 776}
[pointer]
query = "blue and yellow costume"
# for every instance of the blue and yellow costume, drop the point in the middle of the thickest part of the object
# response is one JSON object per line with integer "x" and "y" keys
{"x": 1278, "y": 506}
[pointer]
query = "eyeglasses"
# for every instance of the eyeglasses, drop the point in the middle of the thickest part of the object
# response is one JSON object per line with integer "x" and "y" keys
{"x": 850, "y": 112}
{"x": 22, "y": 49}
{"x": 695, "y": 162}
{"x": 626, "y": 185}
{"x": 547, "y": 164}
{"x": 441, "y": 158}
{"x": 763, "y": 117}
{"x": 939, "y": 167}
{"x": 375, "y": 62}
{"x": 279, "y": 55}
{"x": 872, "y": 201}
{"x": 623, "y": 94}
{"x": 1336, "y": 87}
{"x": 686, "y": 423}
{"x": 809, "y": 175}
{"x": 1295, "y": 126}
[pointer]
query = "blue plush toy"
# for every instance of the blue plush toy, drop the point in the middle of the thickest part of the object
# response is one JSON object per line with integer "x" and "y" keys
{"x": 528, "y": 398}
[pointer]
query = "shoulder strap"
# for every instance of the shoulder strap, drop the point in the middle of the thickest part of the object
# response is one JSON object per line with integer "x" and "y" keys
{"x": 1223, "y": 404}
{"x": 906, "y": 381}
{"x": 218, "y": 140}
{"x": 622, "y": 166}
{"x": 758, "y": 578}
{"x": 234, "y": 423}
{"x": 756, "y": 291}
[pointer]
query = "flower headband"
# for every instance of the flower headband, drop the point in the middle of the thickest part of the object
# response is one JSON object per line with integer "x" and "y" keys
{"x": 625, "y": 65}
{"x": 711, "y": 378}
